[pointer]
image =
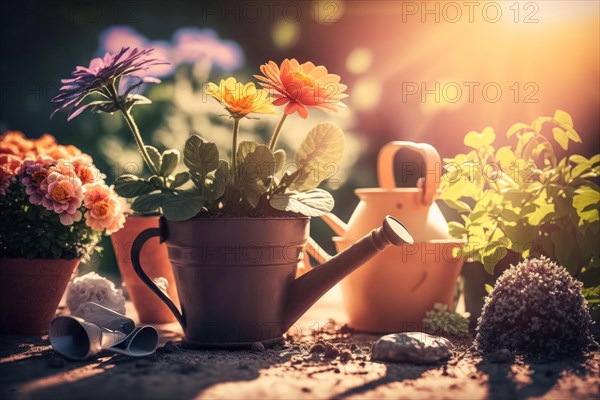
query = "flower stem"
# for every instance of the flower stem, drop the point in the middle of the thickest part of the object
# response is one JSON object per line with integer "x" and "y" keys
{"x": 138, "y": 139}
{"x": 277, "y": 132}
{"x": 236, "y": 127}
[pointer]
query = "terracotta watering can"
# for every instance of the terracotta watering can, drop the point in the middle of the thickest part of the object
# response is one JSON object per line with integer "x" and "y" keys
{"x": 236, "y": 277}
{"x": 415, "y": 206}
{"x": 395, "y": 288}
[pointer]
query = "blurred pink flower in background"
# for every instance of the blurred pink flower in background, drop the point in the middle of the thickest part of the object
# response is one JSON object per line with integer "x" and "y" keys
{"x": 193, "y": 44}
{"x": 188, "y": 46}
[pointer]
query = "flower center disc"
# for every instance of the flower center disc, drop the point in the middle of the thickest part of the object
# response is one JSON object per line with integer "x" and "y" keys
{"x": 306, "y": 79}
{"x": 100, "y": 210}
{"x": 61, "y": 192}
{"x": 39, "y": 176}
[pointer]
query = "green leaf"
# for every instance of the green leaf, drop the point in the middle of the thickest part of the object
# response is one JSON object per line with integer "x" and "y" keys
{"x": 180, "y": 179}
{"x": 129, "y": 186}
{"x": 182, "y": 206}
{"x": 477, "y": 140}
{"x": 280, "y": 157}
{"x": 148, "y": 203}
{"x": 579, "y": 159}
{"x": 220, "y": 181}
{"x": 457, "y": 205}
{"x": 506, "y": 157}
{"x": 539, "y": 122}
{"x": 319, "y": 156}
{"x": 582, "y": 165}
{"x": 170, "y": 159}
{"x": 458, "y": 189}
{"x": 456, "y": 229}
{"x": 255, "y": 162}
{"x": 542, "y": 211}
{"x": 516, "y": 128}
{"x": 200, "y": 156}
{"x": 488, "y": 288}
{"x": 154, "y": 156}
{"x": 313, "y": 203}
{"x": 561, "y": 137}
{"x": 573, "y": 135}
{"x": 521, "y": 234}
{"x": 491, "y": 254}
{"x": 563, "y": 117}
{"x": 515, "y": 196}
{"x": 587, "y": 203}
{"x": 566, "y": 250}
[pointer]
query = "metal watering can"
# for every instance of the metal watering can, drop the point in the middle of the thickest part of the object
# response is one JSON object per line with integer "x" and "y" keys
{"x": 395, "y": 288}
{"x": 236, "y": 277}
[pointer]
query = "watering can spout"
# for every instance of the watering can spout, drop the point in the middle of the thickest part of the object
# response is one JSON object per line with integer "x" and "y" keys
{"x": 339, "y": 227}
{"x": 308, "y": 288}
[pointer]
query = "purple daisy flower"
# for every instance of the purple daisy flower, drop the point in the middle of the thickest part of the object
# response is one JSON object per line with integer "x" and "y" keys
{"x": 103, "y": 77}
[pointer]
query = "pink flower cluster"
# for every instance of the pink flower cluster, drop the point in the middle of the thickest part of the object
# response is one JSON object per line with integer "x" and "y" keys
{"x": 61, "y": 179}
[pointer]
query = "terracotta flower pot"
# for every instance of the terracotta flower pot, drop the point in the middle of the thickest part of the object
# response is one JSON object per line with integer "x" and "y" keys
{"x": 30, "y": 291}
{"x": 156, "y": 261}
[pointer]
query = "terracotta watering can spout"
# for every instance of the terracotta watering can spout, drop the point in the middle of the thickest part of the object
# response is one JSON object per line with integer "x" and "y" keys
{"x": 307, "y": 289}
{"x": 338, "y": 226}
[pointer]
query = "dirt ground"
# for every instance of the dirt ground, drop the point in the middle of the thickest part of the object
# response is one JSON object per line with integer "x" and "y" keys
{"x": 29, "y": 369}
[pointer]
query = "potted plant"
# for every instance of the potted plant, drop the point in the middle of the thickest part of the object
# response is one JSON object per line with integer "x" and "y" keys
{"x": 254, "y": 197}
{"x": 54, "y": 208}
{"x": 113, "y": 82}
{"x": 523, "y": 201}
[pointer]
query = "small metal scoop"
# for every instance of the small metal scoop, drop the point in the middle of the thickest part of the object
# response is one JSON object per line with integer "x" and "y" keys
{"x": 98, "y": 328}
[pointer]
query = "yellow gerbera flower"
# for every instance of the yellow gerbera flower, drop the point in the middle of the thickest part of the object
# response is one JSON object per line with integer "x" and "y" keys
{"x": 239, "y": 99}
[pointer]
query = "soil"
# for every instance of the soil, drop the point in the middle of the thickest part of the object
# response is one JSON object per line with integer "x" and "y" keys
{"x": 326, "y": 361}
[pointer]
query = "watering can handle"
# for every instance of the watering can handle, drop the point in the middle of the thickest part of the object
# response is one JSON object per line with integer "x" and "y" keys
{"x": 385, "y": 167}
{"x": 136, "y": 249}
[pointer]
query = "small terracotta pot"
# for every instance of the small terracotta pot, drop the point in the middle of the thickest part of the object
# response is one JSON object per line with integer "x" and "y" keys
{"x": 30, "y": 291}
{"x": 156, "y": 263}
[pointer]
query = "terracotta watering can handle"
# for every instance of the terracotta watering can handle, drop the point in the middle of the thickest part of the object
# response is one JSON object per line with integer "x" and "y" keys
{"x": 385, "y": 167}
{"x": 136, "y": 249}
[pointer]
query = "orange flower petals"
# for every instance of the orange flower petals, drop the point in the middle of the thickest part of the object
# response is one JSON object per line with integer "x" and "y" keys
{"x": 302, "y": 86}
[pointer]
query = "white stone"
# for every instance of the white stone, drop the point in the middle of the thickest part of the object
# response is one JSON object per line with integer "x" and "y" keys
{"x": 411, "y": 347}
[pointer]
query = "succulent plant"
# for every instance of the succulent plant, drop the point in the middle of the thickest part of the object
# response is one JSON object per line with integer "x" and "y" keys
{"x": 441, "y": 320}
{"x": 537, "y": 309}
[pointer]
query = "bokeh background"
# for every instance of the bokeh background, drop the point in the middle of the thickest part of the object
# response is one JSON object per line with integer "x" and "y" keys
{"x": 419, "y": 71}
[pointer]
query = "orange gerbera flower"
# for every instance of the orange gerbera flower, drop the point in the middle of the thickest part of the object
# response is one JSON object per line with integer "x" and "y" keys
{"x": 239, "y": 99}
{"x": 302, "y": 86}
